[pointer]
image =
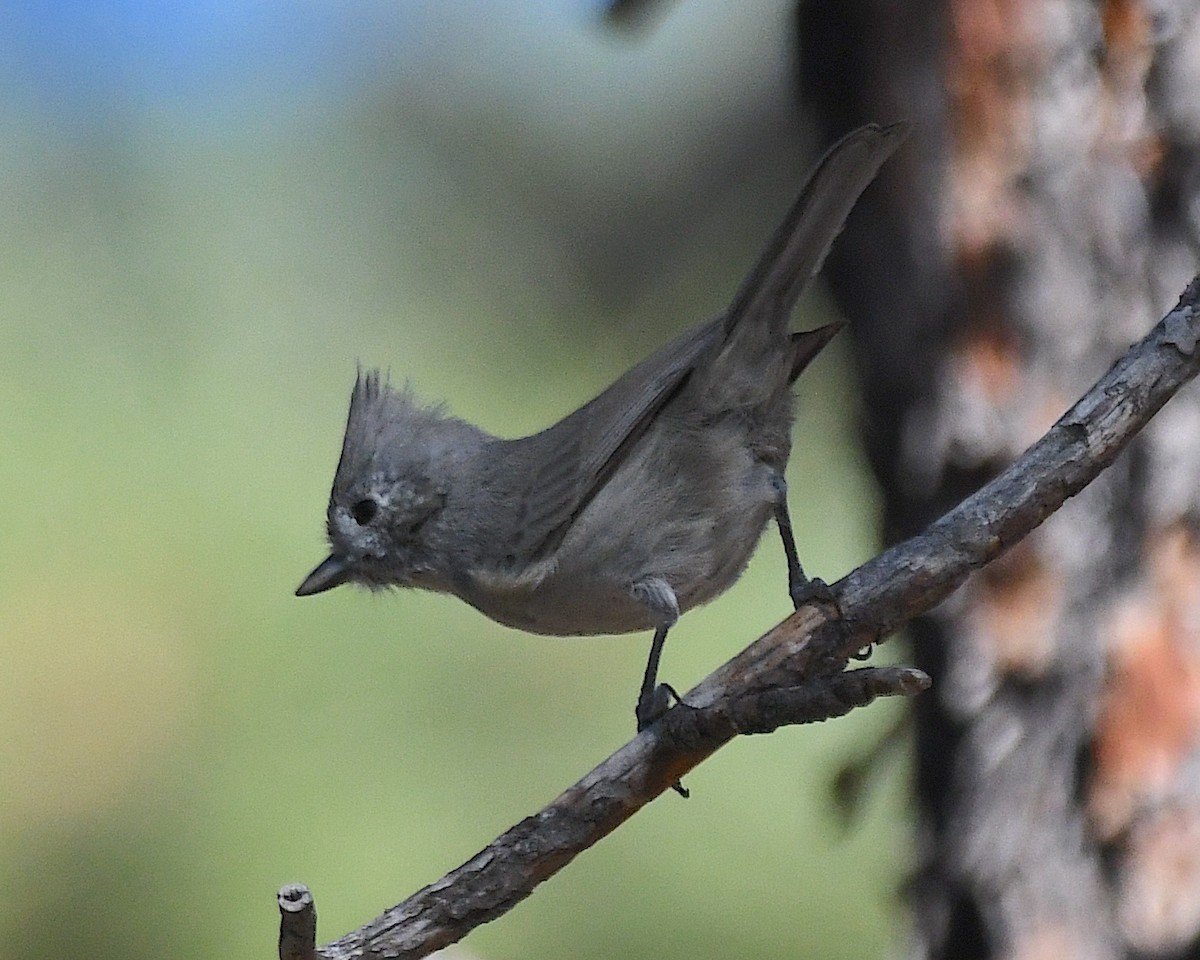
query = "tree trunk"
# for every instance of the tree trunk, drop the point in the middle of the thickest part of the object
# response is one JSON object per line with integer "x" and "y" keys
{"x": 1045, "y": 213}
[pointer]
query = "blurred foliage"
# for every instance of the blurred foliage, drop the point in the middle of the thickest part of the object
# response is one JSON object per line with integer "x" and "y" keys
{"x": 508, "y": 206}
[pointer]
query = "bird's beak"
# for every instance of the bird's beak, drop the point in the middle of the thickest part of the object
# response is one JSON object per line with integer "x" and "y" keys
{"x": 331, "y": 572}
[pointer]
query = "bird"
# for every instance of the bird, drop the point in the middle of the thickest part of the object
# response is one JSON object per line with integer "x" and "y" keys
{"x": 643, "y": 503}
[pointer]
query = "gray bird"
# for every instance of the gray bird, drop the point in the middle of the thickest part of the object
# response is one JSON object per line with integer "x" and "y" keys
{"x": 643, "y": 503}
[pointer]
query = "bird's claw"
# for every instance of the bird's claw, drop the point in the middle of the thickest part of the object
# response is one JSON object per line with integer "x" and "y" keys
{"x": 650, "y": 709}
{"x": 814, "y": 590}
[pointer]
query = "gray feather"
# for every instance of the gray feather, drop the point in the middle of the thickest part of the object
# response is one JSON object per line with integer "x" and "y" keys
{"x": 563, "y": 467}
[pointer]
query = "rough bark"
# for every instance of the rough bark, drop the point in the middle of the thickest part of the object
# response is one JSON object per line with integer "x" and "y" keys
{"x": 1046, "y": 211}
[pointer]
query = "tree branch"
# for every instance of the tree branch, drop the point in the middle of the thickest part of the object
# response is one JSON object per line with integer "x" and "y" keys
{"x": 796, "y": 672}
{"x": 297, "y": 923}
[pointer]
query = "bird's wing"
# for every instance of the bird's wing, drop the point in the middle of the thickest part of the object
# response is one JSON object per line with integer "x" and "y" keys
{"x": 546, "y": 480}
{"x": 550, "y": 477}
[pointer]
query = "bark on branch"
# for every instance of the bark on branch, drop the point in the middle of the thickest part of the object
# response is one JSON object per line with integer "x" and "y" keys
{"x": 796, "y": 673}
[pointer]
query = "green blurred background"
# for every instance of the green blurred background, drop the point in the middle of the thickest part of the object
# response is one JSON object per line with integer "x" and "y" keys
{"x": 210, "y": 213}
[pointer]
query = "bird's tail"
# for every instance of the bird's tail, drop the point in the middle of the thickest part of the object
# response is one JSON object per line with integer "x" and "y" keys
{"x": 807, "y": 344}
{"x": 799, "y": 246}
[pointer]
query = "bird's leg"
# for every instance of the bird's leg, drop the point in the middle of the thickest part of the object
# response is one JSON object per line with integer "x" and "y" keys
{"x": 654, "y": 699}
{"x": 802, "y": 589}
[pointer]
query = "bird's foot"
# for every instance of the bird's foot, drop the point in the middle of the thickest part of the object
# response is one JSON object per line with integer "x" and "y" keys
{"x": 817, "y": 591}
{"x": 650, "y": 709}
{"x": 814, "y": 590}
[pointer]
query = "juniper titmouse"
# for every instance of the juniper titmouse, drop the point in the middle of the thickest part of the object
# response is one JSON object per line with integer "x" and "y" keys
{"x": 643, "y": 503}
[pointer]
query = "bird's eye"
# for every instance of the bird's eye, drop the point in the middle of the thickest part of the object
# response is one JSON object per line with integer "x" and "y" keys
{"x": 364, "y": 511}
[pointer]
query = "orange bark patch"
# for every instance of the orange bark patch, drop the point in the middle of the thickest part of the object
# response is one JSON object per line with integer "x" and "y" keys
{"x": 1149, "y": 721}
{"x": 989, "y": 95}
{"x": 1018, "y": 604}
{"x": 1127, "y": 39}
{"x": 990, "y": 364}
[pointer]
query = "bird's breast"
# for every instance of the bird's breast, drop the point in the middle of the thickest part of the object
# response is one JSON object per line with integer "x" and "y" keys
{"x": 558, "y": 603}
